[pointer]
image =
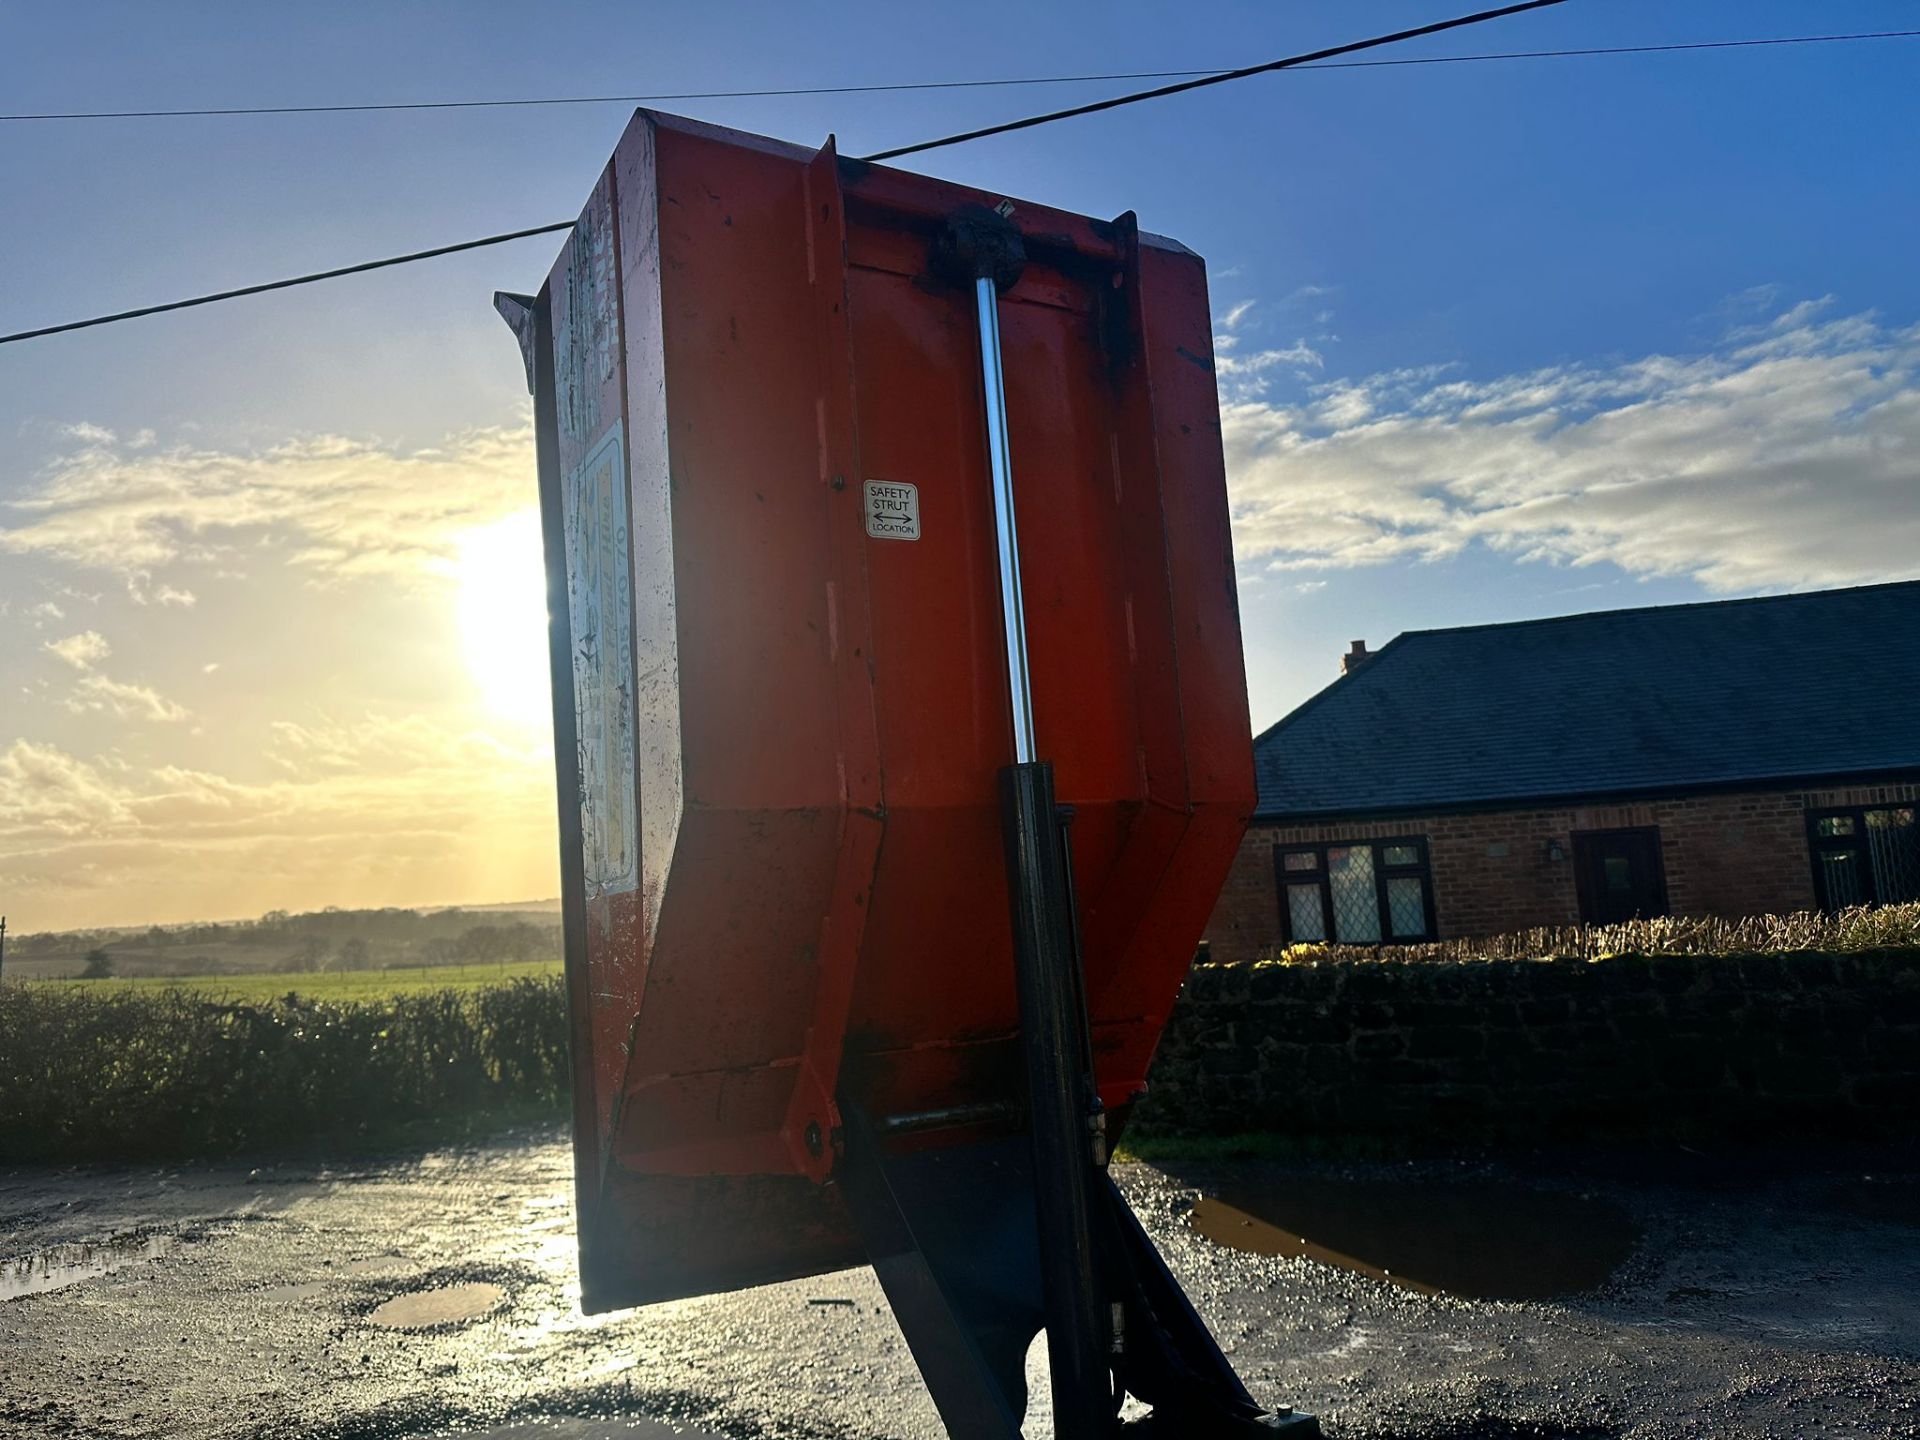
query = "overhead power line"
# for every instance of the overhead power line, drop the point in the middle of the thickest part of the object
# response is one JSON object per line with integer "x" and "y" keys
{"x": 605, "y": 99}
{"x": 1181, "y": 87}
{"x": 286, "y": 284}
{"x": 1133, "y": 99}
{"x": 1003, "y": 82}
{"x": 1320, "y": 59}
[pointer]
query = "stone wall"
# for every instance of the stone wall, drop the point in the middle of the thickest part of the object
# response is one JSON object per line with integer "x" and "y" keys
{"x": 1731, "y": 854}
{"x": 1547, "y": 1050}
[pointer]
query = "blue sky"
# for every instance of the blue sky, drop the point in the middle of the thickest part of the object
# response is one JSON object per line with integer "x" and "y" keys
{"x": 1504, "y": 340}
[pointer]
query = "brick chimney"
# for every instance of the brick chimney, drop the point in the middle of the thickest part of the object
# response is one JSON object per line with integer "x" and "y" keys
{"x": 1355, "y": 657}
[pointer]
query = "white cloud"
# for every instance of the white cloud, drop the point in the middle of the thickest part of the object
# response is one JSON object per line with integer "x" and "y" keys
{"x": 206, "y": 811}
{"x": 338, "y": 507}
{"x": 1245, "y": 376}
{"x": 96, "y": 692}
{"x": 142, "y": 590}
{"x": 45, "y": 790}
{"x": 395, "y": 811}
{"x": 1788, "y": 456}
{"x": 129, "y": 702}
{"x": 1306, "y": 292}
{"x": 82, "y": 651}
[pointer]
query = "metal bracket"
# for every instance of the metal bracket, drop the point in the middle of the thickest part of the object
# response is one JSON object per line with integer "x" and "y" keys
{"x": 518, "y": 312}
{"x": 951, "y": 1232}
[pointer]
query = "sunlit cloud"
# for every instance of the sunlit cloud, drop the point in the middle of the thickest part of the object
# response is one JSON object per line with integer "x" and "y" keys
{"x": 94, "y": 692}
{"x": 124, "y": 700}
{"x": 338, "y": 507}
{"x": 387, "y": 782}
{"x": 1787, "y": 456}
{"x": 82, "y": 651}
{"x": 143, "y": 590}
{"x": 391, "y": 810}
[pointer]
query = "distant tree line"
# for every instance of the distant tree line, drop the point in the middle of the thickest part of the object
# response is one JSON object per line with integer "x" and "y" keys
{"x": 320, "y": 940}
{"x": 508, "y": 943}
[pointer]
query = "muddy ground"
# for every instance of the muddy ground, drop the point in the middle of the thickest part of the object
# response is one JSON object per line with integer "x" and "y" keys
{"x": 1689, "y": 1295}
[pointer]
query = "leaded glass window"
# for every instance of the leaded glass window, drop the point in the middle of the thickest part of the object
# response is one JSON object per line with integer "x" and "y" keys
{"x": 1865, "y": 856}
{"x": 1840, "y": 879}
{"x": 1893, "y": 848}
{"x": 1306, "y": 921}
{"x": 1407, "y": 907}
{"x": 1356, "y": 898}
{"x": 1360, "y": 892}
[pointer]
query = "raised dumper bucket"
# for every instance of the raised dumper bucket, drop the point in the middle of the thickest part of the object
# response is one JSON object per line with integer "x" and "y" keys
{"x": 890, "y": 815}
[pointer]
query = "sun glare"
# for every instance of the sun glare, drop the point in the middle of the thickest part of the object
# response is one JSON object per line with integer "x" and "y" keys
{"x": 503, "y": 617}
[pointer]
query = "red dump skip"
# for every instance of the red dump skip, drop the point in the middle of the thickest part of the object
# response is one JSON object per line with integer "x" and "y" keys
{"x": 783, "y": 698}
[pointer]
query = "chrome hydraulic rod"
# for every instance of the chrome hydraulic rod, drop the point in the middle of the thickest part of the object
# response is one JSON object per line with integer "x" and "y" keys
{"x": 1005, "y": 529}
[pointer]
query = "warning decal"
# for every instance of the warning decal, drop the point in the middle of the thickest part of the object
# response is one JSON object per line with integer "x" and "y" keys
{"x": 893, "y": 510}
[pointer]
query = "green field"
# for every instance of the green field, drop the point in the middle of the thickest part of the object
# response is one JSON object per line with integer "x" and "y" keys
{"x": 326, "y": 985}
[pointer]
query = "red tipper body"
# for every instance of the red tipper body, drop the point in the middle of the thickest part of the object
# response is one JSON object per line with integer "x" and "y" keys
{"x": 782, "y": 696}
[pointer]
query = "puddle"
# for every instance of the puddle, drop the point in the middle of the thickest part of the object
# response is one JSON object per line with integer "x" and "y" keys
{"x": 1477, "y": 1241}
{"x": 61, "y": 1265}
{"x": 443, "y": 1305}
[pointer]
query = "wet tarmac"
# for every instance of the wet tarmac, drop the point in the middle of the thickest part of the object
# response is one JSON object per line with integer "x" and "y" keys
{"x": 1660, "y": 1295}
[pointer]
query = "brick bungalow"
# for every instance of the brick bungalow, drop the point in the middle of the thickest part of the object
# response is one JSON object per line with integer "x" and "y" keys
{"x": 1734, "y": 758}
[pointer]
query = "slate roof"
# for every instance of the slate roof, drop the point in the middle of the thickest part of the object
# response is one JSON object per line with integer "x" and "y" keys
{"x": 1674, "y": 697}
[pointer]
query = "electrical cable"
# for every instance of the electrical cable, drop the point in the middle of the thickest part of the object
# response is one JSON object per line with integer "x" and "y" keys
{"x": 1135, "y": 98}
{"x": 1479, "y": 17}
{"x": 602, "y": 99}
{"x": 1312, "y": 60}
{"x": 288, "y": 283}
{"x": 922, "y": 85}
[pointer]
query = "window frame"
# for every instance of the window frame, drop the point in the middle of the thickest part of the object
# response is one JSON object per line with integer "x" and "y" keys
{"x": 1855, "y": 843}
{"x": 1321, "y": 878}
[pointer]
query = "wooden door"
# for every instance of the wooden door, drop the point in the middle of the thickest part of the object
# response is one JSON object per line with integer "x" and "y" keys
{"x": 1617, "y": 875}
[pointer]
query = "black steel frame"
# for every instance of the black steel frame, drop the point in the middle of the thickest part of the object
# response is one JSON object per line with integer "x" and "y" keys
{"x": 982, "y": 1241}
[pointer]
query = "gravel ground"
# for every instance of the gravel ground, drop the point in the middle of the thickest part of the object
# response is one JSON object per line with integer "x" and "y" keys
{"x": 1759, "y": 1296}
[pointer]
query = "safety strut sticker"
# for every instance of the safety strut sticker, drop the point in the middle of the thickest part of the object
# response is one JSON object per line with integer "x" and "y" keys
{"x": 893, "y": 510}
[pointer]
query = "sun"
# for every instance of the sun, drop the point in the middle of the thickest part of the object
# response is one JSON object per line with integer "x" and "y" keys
{"x": 502, "y": 607}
